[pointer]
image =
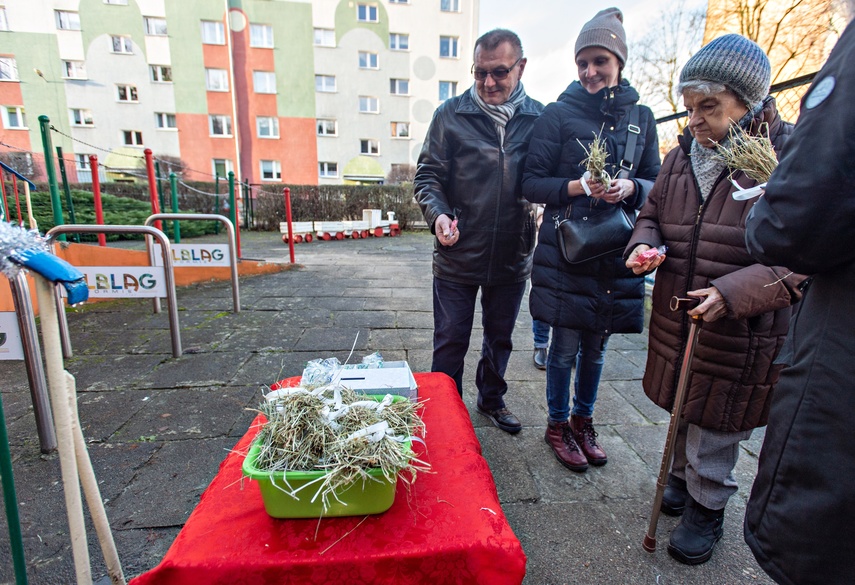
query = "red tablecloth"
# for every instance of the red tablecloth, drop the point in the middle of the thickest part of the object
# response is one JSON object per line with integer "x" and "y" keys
{"x": 448, "y": 529}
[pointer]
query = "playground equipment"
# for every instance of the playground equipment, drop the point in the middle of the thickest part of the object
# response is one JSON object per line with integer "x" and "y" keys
{"x": 371, "y": 224}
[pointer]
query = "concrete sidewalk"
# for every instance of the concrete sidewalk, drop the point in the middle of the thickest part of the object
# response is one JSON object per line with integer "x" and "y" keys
{"x": 158, "y": 427}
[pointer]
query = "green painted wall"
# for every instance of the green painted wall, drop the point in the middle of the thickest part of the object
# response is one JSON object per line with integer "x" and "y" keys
{"x": 345, "y": 21}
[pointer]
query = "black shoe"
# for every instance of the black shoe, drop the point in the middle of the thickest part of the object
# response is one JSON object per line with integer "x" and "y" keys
{"x": 502, "y": 418}
{"x": 694, "y": 538}
{"x": 540, "y": 358}
{"x": 674, "y": 498}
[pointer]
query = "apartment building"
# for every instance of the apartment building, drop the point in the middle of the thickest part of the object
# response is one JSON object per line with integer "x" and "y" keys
{"x": 304, "y": 92}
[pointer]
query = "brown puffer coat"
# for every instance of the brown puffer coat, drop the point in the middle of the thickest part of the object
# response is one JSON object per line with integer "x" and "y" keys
{"x": 732, "y": 370}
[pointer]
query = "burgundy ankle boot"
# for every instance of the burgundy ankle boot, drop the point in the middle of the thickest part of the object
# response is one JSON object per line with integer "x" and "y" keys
{"x": 559, "y": 436}
{"x": 586, "y": 438}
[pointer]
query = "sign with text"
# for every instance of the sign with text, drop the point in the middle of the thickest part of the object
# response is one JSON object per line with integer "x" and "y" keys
{"x": 195, "y": 255}
{"x": 123, "y": 281}
{"x": 11, "y": 347}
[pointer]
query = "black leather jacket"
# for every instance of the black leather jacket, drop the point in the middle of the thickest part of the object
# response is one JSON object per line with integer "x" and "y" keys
{"x": 465, "y": 173}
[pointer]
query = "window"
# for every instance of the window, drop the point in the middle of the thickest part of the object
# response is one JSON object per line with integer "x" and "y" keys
{"x": 369, "y": 146}
{"x": 261, "y": 36}
{"x": 325, "y": 83}
{"x": 13, "y": 117}
{"x": 122, "y": 45}
{"x": 220, "y": 125}
{"x": 369, "y": 105}
{"x": 449, "y": 5}
{"x": 132, "y": 138}
{"x": 8, "y": 69}
{"x": 66, "y": 20}
{"x": 399, "y": 42}
{"x": 264, "y": 81}
{"x": 327, "y": 170}
{"x": 327, "y": 127}
{"x": 448, "y": 47}
{"x": 222, "y": 167}
{"x": 74, "y": 69}
{"x": 160, "y": 73}
{"x": 4, "y": 24}
{"x": 399, "y": 1}
{"x": 213, "y": 33}
{"x": 271, "y": 170}
{"x": 447, "y": 89}
{"x": 267, "y": 126}
{"x": 216, "y": 80}
{"x": 366, "y": 12}
{"x": 324, "y": 37}
{"x": 81, "y": 117}
{"x": 399, "y": 86}
{"x": 165, "y": 121}
{"x": 368, "y": 60}
{"x": 155, "y": 26}
{"x": 117, "y": 2}
{"x": 400, "y": 129}
{"x": 82, "y": 162}
{"x": 127, "y": 93}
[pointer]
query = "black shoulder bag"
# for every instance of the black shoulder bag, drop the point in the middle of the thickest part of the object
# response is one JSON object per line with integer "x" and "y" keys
{"x": 601, "y": 231}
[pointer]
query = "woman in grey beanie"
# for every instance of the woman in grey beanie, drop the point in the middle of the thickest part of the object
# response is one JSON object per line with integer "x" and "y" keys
{"x": 745, "y": 306}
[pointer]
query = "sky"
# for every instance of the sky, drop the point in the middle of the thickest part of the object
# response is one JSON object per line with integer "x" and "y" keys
{"x": 548, "y": 31}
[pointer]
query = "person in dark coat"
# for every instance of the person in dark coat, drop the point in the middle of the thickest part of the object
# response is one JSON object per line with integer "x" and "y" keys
{"x": 468, "y": 186}
{"x": 801, "y": 511}
{"x": 585, "y": 303}
{"x": 745, "y": 306}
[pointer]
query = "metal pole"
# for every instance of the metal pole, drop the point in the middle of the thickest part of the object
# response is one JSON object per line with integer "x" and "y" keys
{"x": 96, "y": 192}
{"x": 287, "y": 191}
{"x": 152, "y": 188}
{"x": 233, "y": 210}
{"x": 173, "y": 187}
{"x": 217, "y": 201}
{"x": 6, "y": 215}
{"x": 159, "y": 178}
{"x": 56, "y": 205}
{"x": 68, "y": 202}
{"x": 17, "y": 200}
{"x": 10, "y": 499}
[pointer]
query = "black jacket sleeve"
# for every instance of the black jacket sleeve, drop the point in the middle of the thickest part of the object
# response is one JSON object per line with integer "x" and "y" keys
{"x": 539, "y": 184}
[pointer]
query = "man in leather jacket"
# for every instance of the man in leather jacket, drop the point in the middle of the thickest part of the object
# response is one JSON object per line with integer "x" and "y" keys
{"x": 468, "y": 187}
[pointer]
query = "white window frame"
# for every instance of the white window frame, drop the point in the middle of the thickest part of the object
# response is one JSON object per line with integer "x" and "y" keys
{"x": 155, "y": 26}
{"x": 156, "y": 73}
{"x": 324, "y": 86}
{"x": 4, "y": 22}
{"x": 400, "y": 130}
{"x": 225, "y": 123}
{"x": 125, "y": 43}
{"x": 81, "y": 117}
{"x": 449, "y": 5}
{"x": 399, "y": 86}
{"x": 267, "y": 127}
{"x": 451, "y": 45}
{"x": 264, "y": 82}
{"x": 399, "y": 1}
{"x": 216, "y": 79}
{"x": 452, "y": 87}
{"x": 322, "y": 126}
{"x": 81, "y": 162}
{"x": 395, "y": 41}
{"x": 127, "y": 93}
{"x": 369, "y": 60}
{"x": 135, "y": 137}
{"x": 261, "y": 36}
{"x": 67, "y": 19}
{"x": 226, "y": 163}
{"x": 74, "y": 70}
{"x": 366, "y": 102}
{"x": 117, "y": 2}
{"x": 213, "y": 32}
{"x": 20, "y": 116}
{"x": 327, "y": 170}
{"x": 324, "y": 37}
{"x": 275, "y": 170}
{"x": 367, "y": 12}
{"x": 162, "y": 121}
{"x": 369, "y": 146}
{"x": 8, "y": 69}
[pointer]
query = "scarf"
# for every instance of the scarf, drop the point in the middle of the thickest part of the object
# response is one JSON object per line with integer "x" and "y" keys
{"x": 501, "y": 114}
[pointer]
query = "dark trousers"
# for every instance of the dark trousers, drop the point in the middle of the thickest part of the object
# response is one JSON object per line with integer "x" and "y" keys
{"x": 453, "y": 314}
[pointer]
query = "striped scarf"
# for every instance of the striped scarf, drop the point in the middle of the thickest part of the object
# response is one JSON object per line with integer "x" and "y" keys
{"x": 503, "y": 113}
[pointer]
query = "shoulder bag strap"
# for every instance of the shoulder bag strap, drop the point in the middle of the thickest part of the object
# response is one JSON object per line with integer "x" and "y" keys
{"x": 627, "y": 165}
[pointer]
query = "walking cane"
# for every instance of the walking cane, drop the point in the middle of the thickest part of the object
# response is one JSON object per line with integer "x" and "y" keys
{"x": 677, "y": 303}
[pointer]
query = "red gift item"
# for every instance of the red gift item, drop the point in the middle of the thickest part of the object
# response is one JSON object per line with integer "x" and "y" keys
{"x": 650, "y": 254}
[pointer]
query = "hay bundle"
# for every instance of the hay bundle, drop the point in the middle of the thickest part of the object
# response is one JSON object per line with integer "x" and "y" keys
{"x": 595, "y": 162}
{"x": 753, "y": 155}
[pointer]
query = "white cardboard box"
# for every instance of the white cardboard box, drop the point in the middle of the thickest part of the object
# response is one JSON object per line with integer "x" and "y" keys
{"x": 392, "y": 378}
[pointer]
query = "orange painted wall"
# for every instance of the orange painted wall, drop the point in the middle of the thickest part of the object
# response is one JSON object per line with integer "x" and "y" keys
{"x": 10, "y": 95}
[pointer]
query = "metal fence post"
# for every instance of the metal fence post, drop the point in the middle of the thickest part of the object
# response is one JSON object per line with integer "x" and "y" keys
{"x": 68, "y": 202}
{"x": 173, "y": 187}
{"x": 47, "y": 145}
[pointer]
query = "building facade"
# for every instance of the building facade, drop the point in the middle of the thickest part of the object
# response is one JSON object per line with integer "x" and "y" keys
{"x": 301, "y": 92}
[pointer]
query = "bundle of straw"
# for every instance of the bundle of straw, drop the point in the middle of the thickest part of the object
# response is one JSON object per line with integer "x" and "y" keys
{"x": 751, "y": 154}
{"x": 332, "y": 428}
{"x": 595, "y": 162}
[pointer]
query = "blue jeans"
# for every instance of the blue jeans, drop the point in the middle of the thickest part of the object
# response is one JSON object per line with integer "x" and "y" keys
{"x": 453, "y": 314}
{"x": 584, "y": 350}
{"x": 541, "y": 333}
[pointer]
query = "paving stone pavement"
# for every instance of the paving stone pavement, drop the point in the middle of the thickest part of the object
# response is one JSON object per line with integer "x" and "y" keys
{"x": 158, "y": 427}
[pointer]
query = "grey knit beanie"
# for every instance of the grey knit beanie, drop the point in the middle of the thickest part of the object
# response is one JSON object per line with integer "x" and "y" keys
{"x": 734, "y": 61}
{"x": 604, "y": 30}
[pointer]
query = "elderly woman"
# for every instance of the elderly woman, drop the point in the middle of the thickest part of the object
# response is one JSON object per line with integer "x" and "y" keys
{"x": 745, "y": 306}
{"x": 586, "y": 302}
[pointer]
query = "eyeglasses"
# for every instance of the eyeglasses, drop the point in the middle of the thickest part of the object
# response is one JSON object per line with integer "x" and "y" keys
{"x": 498, "y": 74}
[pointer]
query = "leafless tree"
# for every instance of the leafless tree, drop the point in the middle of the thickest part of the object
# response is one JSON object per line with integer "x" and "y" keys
{"x": 401, "y": 174}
